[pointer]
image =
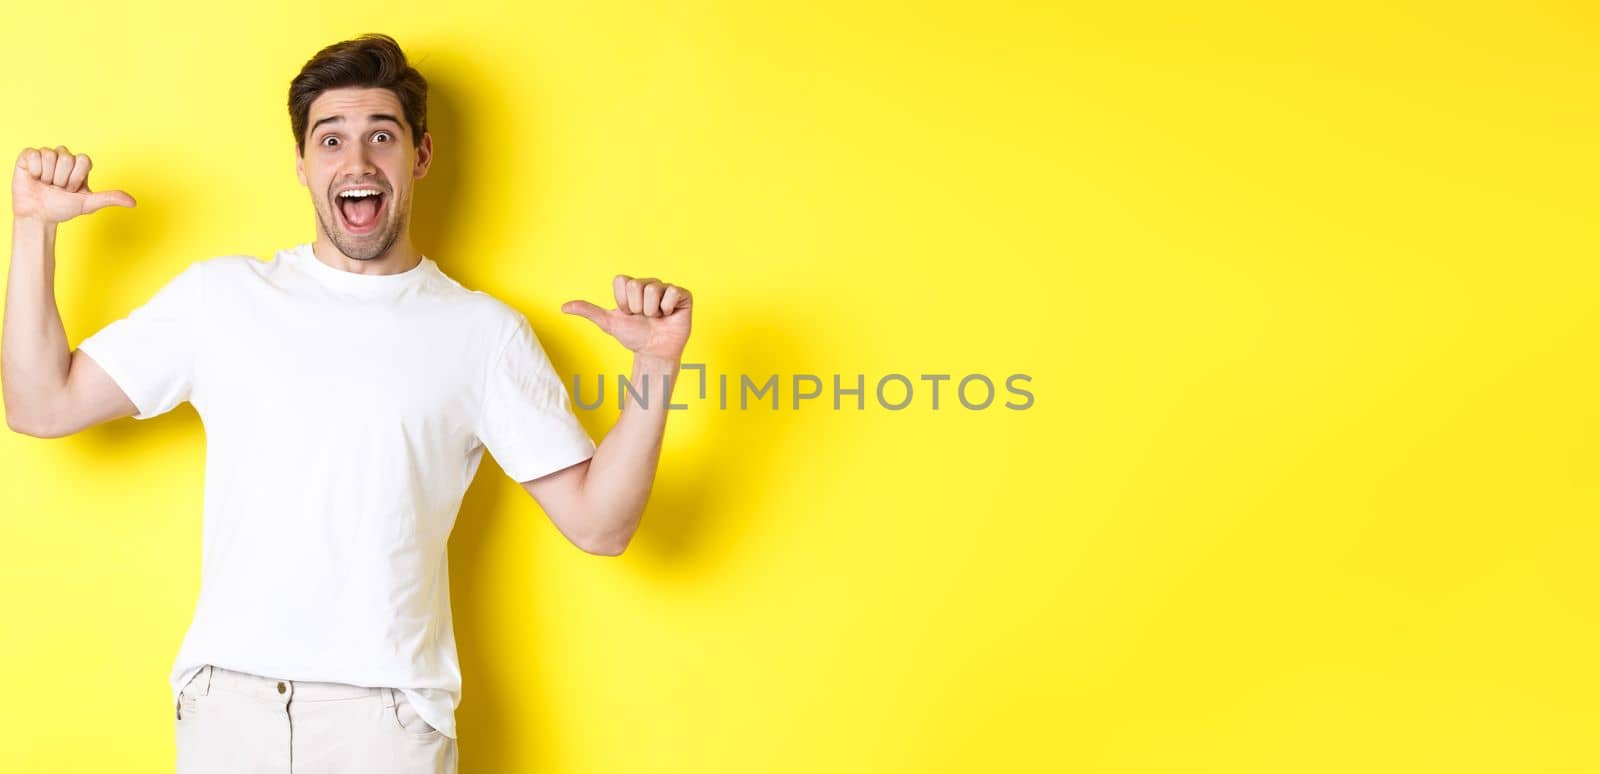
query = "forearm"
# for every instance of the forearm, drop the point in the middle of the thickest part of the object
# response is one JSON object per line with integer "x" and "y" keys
{"x": 620, "y": 475}
{"x": 34, "y": 358}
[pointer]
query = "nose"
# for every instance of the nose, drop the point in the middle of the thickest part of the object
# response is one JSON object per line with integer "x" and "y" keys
{"x": 357, "y": 162}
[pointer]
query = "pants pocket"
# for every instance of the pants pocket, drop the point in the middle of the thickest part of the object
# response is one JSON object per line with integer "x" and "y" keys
{"x": 408, "y": 720}
{"x": 188, "y": 695}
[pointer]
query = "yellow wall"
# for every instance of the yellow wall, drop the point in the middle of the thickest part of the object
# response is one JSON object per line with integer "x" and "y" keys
{"x": 1308, "y": 299}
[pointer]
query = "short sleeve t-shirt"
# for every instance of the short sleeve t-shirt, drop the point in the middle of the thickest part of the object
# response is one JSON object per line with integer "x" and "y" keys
{"x": 345, "y": 415}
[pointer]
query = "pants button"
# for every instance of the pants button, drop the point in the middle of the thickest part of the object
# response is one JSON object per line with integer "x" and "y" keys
{"x": 281, "y": 688}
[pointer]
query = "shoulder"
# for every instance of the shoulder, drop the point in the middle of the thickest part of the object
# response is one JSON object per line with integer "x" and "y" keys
{"x": 490, "y": 317}
{"x": 499, "y": 321}
{"x": 224, "y": 265}
{"x": 208, "y": 276}
{"x": 225, "y": 269}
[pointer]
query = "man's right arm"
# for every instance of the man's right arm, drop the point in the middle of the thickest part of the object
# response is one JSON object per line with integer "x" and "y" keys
{"x": 49, "y": 391}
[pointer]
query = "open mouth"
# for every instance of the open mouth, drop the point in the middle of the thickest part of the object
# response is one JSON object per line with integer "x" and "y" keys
{"x": 361, "y": 209}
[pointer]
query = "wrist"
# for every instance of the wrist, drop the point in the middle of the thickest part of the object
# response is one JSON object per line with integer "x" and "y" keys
{"x": 656, "y": 363}
{"x": 27, "y": 225}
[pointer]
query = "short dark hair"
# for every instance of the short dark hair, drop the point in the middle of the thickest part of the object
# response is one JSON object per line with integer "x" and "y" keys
{"x": 372, "y": 61}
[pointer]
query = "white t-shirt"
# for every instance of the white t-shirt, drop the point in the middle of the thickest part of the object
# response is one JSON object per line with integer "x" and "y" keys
{"x": 345, "y": 414}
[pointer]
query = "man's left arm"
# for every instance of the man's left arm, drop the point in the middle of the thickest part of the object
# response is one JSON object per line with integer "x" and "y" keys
{"x": 597, "y": 503}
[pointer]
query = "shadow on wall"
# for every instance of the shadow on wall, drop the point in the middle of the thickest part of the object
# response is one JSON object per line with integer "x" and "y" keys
{"x": 110, "y": 245}
{"x": 437, "y": 201}
{"x": 707, "y": 490}
{"x": 691, "y": 519}
{"x": 698, "y": 512}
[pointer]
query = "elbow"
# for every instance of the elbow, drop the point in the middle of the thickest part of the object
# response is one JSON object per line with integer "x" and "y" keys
{"x": 19, "y": 423}
{"x": 604, "y": 546}
{"x": 611, "y": 543}
{"x": 30, "y": 417}
{"x": 599, "y": 529}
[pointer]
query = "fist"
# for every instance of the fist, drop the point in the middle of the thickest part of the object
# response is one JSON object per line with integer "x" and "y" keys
{"x": 52, "y": 186}
{"x": 651, "y": 318}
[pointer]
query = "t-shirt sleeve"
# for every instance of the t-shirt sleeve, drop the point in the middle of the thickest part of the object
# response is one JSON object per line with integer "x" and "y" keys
{"x": 151, "y": 354}
{"x": 527, "y": 422}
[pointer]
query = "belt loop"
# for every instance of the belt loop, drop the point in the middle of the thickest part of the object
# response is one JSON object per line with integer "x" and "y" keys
{"x": 205, "y": 689}
{"x": 388, "y": 697}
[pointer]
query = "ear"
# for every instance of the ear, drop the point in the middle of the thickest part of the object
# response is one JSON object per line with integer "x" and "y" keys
{"x": 424, "y": 156}
{"x": 300, "y": 167}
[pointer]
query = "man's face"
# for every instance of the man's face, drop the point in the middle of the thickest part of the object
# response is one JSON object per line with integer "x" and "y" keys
{"x": 357, "y": 142}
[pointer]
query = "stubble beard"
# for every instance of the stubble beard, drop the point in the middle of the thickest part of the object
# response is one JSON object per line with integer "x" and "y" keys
{"x": 371, "y": 246}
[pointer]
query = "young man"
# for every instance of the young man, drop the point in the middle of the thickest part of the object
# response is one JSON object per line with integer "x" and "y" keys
{"x": 348, "y": 390}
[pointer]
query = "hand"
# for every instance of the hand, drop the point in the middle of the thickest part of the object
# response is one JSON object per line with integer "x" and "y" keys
{"x": 52, "y": 186}
{"x": 651, "y": 318}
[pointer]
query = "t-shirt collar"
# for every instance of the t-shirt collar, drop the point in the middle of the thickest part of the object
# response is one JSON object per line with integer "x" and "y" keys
{"x": 349, "y": 280}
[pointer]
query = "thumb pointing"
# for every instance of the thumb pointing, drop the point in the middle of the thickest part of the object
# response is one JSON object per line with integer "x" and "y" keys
{"x": 589, "y": 312}
{"x": 102, "y": 199}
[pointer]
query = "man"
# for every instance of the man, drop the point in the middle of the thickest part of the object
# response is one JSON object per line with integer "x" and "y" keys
{"x": 348, "y": 389}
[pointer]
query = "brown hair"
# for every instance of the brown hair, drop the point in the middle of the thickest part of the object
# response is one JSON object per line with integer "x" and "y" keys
{"x": 374, "y": 61}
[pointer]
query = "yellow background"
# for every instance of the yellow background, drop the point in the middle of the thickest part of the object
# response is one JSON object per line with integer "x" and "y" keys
{"x": 1308, "y": 298}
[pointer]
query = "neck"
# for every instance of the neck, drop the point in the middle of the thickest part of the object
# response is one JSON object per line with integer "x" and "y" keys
{"x": 401, "y": 256}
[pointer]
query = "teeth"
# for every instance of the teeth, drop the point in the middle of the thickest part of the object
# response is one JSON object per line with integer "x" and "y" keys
{"x": 357, "y": 194}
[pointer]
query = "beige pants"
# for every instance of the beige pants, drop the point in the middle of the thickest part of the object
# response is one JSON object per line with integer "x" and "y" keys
{"x": 231, "y": 722}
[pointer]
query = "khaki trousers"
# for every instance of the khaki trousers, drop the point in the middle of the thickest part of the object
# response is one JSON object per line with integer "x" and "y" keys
{"x": 231, "y": 722}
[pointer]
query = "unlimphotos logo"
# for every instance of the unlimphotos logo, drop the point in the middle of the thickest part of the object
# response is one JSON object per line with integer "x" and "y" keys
{"x": 893, "y": 392}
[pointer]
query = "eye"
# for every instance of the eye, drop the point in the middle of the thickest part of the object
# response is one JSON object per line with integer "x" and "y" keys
{"x": 384, "y": 135}
{"x": 327, "y": 139}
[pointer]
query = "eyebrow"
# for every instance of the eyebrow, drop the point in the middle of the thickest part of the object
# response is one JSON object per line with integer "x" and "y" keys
{"x": 375, "y": 117}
